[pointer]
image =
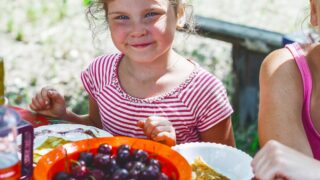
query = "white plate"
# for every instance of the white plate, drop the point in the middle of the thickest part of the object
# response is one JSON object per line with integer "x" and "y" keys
{"x": 71, "y": 132}
{"x": 229, "y": 161}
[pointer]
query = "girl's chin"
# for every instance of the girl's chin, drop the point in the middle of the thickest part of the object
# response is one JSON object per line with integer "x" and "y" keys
{"x": 141, "y": 57}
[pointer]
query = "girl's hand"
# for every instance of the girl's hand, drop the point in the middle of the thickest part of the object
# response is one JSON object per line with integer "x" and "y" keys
{"x": 159, "y": 129}
{"x": 277, "y": 161}
{"x": 49, "y": 102}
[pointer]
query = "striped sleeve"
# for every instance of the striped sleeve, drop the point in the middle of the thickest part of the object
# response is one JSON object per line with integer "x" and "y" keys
{"x": 215, "y": 107}
{"x": 87, "y": 82}
{"x": 94, "y": 76}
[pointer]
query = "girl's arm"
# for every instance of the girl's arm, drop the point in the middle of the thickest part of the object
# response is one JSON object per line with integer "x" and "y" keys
{"x": 49, "y": 102}
{"x": 281, "y": 97}
{"x": 91, "y": 119}
{"x": 220, "y": 133}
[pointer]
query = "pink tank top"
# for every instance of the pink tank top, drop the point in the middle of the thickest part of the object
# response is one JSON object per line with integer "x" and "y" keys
{"x": 311, "y": 132}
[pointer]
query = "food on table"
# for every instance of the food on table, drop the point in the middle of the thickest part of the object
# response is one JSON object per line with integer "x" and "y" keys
{"x": 109, "y": 162}
{"x": 48, "y": 145}
{"x": 77, "y": 130}
{"x": 60, "y": 134}
{"x": 204, "y": 172}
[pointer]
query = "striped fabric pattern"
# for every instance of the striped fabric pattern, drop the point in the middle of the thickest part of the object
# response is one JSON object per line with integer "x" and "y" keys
{"x": 193, "y": 107}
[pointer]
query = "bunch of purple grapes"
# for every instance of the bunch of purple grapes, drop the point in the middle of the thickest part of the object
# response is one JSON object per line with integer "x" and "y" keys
{"x": 124, "y": 164}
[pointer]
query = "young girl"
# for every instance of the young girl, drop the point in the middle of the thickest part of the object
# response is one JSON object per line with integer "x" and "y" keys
{"x": 289, "y": 95}
{"x": 289, "y": 111}
{"x": 148, "y": 90}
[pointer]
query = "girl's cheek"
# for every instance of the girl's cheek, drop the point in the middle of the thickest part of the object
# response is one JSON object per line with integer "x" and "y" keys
{"x": 119, "y": 29}
{"x": 163, "y": 24}
{"x": 119, "y": 25}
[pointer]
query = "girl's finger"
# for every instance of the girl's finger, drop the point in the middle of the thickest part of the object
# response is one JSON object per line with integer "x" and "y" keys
{"x": 165, "y": 138}
{"x": 141, "y": 123}
{"x": 149, "y": 125}
{"x": 48, "y": 92}
{"x": 159, "y": 129}
{"x": 265, "y": 151}
{"x": 32, "y": 107}
{"x": 259, "y": 162}
{"x": 55, "y": 96}
{"x": 40, "y": 99}
{"x": 263, "y": 169}
{"x": 35, "y": 103}
{"x": 44, "y": 95}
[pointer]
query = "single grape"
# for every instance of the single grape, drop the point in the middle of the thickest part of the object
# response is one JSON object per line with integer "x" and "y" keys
{"x": 97, "y": 174}
{"x": 79, "y": 171}
{"x": 105, "y": 149}
{"x": 86, "y": 157}
{"x": 140, "y": 155}
{"x": 150, "y": 172}
{"x": 123, "y": 147}
{"x": 112, "y": 167}
{"x": 61, "y": 176}
{"x": 101, "y": 161}
{"x": 120, "y": 174}
{"x": 134, "y": 175}
{"x": 129, "y": 165}
{"x": 138, "y": 166}
{"x": 136, "y": 170}
{"x": 123, "y": 157}
{"x": 154, "y": 162}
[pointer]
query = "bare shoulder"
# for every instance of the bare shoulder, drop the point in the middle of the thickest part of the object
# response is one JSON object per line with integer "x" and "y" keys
{"x": 279, "y": 69}
{"x": 281, "y": 58}
{"x": 281, "y": 98}
{"x": 280, "y": 81}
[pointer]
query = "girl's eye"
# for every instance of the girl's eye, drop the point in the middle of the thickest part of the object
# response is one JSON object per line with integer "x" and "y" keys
{"x": 151, "y": 14}
{"x": 122, "y": 17}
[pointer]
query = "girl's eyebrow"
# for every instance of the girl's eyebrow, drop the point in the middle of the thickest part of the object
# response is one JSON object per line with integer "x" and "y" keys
{"x": 147, "y": 9}
{"x": 116, "y": 12}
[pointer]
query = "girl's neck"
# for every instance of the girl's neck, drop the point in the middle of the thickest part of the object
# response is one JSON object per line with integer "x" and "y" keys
{"x": 150, "y": 71}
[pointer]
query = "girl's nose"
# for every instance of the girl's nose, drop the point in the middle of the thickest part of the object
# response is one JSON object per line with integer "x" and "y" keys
{"x": 138, "y": 29}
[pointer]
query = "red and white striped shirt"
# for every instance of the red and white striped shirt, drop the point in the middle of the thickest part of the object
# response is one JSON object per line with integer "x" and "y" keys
{"x": 193, "y": 107}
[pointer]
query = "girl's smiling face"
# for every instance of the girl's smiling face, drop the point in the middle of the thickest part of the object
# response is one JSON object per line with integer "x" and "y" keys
{"x": 142, "y": 29}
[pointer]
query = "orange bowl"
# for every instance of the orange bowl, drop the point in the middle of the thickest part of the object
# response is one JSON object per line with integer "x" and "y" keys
{"x": 172, "y": 163}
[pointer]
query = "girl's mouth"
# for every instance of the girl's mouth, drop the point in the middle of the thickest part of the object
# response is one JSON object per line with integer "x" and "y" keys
{"x": 140, "y": 45}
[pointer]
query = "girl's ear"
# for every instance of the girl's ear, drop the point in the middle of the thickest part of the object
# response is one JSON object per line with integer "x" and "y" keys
{"x": 181, "y": 19}
{"x": 313, "y": 13}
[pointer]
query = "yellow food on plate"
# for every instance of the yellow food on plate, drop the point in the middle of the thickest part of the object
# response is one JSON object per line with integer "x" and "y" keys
{"x": 49, "y": 144}
{"x": 204, "y": 172}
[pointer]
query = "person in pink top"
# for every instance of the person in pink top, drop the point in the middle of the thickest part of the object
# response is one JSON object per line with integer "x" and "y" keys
{"x": 289, "y": 111}
{"x": 147, "y": 90}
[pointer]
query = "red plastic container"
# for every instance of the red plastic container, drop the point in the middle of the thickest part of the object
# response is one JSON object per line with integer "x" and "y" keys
{"x": 172, "y": 163}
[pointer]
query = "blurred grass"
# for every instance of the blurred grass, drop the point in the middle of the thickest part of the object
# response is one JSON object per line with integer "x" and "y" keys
{"x": 87, "y": 2}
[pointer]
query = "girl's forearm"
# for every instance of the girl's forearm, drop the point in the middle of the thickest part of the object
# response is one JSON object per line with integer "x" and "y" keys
{"x": 78, "y": 119}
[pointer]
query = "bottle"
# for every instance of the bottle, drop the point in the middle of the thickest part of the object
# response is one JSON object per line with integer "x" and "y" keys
{"x": 10, "y": 165}
{"x": 2, "y": 96}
